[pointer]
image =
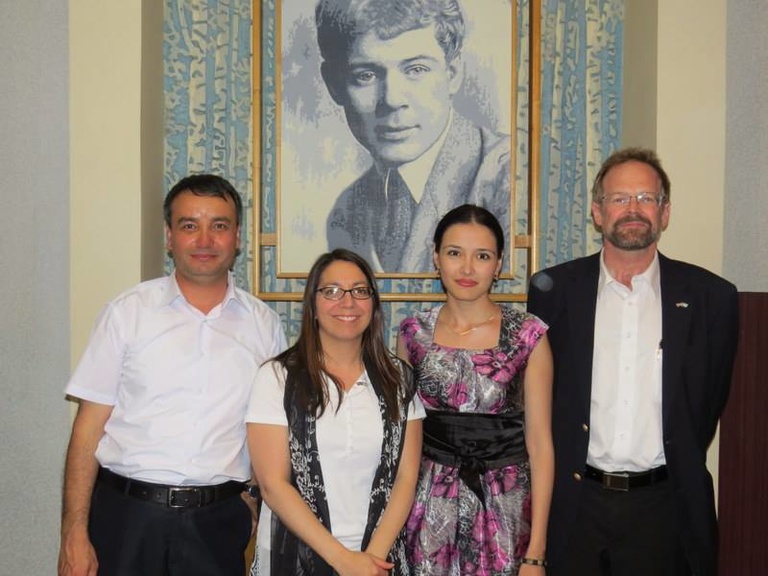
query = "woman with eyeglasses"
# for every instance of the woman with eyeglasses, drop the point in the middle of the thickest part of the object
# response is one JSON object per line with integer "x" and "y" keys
{"x": 484, "y": 374}
{"x": 334, "y": 433}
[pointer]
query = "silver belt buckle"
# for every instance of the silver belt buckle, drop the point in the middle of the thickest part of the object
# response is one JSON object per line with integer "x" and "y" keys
{"x": 188, "y": 502}
{"x": 616, "y": 481}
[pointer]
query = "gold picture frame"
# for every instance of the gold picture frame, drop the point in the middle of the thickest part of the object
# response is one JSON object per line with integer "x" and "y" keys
{"x": 283, "y": 36}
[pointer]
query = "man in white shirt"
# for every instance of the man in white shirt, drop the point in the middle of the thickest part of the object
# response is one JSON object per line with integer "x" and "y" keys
{"x": 643, "y": 349}
{"x": 157, "y": 459}
{"x": 394, "y": 67}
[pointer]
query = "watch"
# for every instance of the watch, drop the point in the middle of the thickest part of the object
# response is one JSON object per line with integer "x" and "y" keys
{"x": 252, "y": 490}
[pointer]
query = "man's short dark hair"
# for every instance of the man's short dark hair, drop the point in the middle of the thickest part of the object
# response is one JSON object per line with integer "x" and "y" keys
{"x": 203, "y": 185}
{"x": 642, "y": 155}
{"x": 341, "y": 22}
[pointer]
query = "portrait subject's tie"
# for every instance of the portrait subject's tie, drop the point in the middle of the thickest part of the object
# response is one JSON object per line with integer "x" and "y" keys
{"x": 398, "y": 217}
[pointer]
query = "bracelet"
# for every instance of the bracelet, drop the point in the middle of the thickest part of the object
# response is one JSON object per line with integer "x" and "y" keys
{"x": 534, "y": 561}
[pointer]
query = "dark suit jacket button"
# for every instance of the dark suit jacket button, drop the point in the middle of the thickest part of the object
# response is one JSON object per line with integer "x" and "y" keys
{"x": 585, "y": 427}
{"x": 577, "y": 476}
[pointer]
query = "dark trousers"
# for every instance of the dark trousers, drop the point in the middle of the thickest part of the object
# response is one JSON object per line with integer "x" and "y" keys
{"x": 137, "y": 538}
{"x": 630, "y": 533}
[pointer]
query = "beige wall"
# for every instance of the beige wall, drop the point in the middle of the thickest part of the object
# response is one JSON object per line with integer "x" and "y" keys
{"x": 691, "y": 126}
{"x": 675, "y": 87}
{"x": 110, "y": 154}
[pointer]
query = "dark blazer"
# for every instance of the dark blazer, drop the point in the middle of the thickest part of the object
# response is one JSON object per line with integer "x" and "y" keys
{"x": 699, "y": 335}
{"x": 473, "y": 166}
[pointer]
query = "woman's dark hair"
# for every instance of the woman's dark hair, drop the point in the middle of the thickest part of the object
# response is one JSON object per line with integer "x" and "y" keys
{"x": 470, "y": 214}
{"x": 307, "y": 352}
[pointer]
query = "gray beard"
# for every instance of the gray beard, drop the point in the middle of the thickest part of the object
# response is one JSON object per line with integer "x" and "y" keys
{"x": 632, "y": 239}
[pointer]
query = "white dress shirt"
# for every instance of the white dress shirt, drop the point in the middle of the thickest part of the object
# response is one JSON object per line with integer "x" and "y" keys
{"x": 625, "y": 422}
{"x": 416, "y": 172}
{"x": 178, "y": 380}
{"x": 349, "y": 443}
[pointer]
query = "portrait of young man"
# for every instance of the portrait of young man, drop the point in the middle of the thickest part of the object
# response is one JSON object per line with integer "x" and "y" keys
{"x": 422, "y": 134}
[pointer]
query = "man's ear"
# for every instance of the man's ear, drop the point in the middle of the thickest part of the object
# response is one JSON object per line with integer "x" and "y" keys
{"x": 333, "y": 82}
{"x": 666, "y": 209}
{"x": 455, "y": 74}
{"x": 168, "y": 249}
{"x": 597, "y": 217}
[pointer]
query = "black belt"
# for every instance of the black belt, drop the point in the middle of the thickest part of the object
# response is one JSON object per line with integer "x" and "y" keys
{"x": 171, "y": 496}
{"x": 624, "y": 481}
{"x": 474, "y": 443}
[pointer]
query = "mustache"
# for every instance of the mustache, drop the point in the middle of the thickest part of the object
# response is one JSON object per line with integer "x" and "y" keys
{"x": 633, "y": 218}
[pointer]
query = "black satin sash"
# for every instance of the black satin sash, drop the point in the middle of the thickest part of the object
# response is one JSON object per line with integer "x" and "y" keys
{"x": 474, "y": 443}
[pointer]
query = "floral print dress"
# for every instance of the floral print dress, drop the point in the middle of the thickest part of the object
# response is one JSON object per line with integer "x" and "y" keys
{"x": 450, "y": 532}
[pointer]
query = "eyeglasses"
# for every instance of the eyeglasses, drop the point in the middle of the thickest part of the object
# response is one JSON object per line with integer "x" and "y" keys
{"x": 337, "y": 292}
{"x": 642, "y": 199}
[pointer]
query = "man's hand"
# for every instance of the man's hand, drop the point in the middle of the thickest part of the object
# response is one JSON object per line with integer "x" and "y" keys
{"x": 76, "y": 555}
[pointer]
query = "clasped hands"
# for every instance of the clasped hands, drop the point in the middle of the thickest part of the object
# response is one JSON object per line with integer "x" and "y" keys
{"x": 355, "y": 563}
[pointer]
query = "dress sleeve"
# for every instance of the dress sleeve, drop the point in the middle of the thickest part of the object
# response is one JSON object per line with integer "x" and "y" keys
{"x": 409, "y": 328}
{"x": 266, "y": 402}
{"x": 531, "y": 331}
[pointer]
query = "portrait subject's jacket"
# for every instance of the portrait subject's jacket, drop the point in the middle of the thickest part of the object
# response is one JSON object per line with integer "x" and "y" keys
{"x": 699, "y": 336}
{"x": 473, "y": 166}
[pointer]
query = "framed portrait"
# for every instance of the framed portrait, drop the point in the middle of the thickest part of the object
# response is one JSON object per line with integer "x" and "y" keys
{"x": 369, "y": 128}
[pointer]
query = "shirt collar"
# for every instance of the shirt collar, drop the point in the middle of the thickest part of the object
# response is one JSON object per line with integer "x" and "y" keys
{"x": 172, "y": 292}
{"x": 416, "y": 173}
{"x": 650, "y": 275}
{"x": 364, "y": 378}
{"x": 234, "y": 295}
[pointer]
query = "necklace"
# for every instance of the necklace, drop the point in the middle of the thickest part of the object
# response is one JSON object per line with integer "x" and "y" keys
{"x": 472, "y": 329}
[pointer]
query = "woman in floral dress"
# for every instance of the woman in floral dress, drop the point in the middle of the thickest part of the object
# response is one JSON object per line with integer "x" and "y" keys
{"x": 484, "y": 374}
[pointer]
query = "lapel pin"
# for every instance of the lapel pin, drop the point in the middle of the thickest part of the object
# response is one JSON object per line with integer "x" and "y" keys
{"x": 682, "y": 304}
